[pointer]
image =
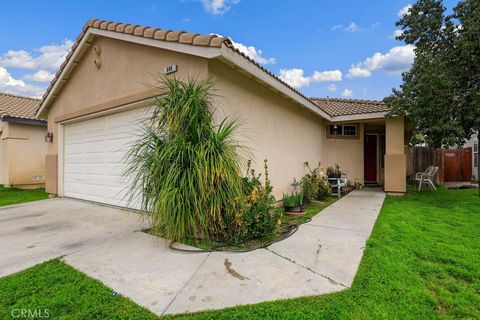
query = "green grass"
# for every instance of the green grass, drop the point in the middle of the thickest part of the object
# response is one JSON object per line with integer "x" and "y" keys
{"x": 65, "y": 293}
{"x": 312, "y": 209}
{"x": 9, "y": 196}
{"x": 421, "y": 262}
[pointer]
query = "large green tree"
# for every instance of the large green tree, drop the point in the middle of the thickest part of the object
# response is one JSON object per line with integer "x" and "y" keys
{"x": 441, "y": 92}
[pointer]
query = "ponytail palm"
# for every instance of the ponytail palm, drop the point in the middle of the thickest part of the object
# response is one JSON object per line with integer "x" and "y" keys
{"x": 184, "y": 168}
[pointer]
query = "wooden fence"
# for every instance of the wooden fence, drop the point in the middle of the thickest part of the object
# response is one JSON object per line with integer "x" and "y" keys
{"x": 418, "y": 160}
{"x": 453, "y": 164}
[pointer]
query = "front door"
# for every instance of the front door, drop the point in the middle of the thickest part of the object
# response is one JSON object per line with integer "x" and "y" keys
{"x": 370, "y": 158}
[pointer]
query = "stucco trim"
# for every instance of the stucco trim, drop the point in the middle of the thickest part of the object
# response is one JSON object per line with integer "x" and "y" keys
{"x": 360, "y": 116}
{"x": 71, "y": 62}
{"x": 113, "y": 104}
{"x": 51, "y": 173}
{"x": 119, "y": 108}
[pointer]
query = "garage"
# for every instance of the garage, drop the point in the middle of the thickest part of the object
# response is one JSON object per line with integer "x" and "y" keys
{"x": 95, "y": 151}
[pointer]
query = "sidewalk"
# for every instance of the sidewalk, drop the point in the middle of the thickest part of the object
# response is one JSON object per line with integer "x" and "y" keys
{"x": 321, "y": 257}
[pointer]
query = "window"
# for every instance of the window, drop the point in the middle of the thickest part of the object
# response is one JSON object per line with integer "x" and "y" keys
{"x": 349, "y": 130}
{"x": 343, "y": 130}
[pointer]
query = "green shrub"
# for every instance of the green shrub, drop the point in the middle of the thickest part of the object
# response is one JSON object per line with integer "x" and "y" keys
{"x": 258, "y": 217}
{"x": 184, "y": 168}
{"x": 293, "y": 200}
{"x": 314, "y": 185}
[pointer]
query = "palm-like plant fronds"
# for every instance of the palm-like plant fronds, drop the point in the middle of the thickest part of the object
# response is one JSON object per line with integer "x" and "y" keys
{"x": 185, "y": 169}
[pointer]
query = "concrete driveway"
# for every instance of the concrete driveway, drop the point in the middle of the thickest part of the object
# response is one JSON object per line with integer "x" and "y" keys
{"x": 34, "y": 232}
{"x": 322, "y": 257}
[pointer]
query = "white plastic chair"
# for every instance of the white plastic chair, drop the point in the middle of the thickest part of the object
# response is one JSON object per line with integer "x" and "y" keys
{"x": 427, "y": 177}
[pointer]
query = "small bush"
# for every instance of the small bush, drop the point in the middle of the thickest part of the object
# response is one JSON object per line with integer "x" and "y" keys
{"x": 314, "y": 185}
{"x": 293, "y": 200}
{"x": 258, "y": 217}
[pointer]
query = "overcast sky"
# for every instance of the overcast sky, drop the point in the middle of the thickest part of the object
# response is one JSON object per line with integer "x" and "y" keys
{"x": 342, "y": 48}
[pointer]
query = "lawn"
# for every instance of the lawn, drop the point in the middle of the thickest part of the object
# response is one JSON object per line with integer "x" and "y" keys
{"x": 10, "y": 196}
{"x": 59, "y": 291}
{"x": 421, "y": 262}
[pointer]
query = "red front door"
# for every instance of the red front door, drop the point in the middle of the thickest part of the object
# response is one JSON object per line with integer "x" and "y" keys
{"x": 370, "y": 158}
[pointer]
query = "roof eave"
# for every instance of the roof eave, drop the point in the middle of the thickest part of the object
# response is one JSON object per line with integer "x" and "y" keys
{"x": 252, "y": 68}
{"x": 359, "y": 116}
{"x": 201, "y": 51}
{"x": 21, "y": 120}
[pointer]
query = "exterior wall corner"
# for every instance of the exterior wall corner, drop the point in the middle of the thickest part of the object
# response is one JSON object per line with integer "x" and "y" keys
{"x": 395, "y": 158}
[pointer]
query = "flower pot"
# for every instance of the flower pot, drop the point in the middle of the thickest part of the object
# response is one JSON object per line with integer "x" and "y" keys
{"x": 295, "y": 211}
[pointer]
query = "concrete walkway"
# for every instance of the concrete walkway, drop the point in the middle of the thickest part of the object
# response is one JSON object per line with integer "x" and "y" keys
{"x": 322, "y": 257}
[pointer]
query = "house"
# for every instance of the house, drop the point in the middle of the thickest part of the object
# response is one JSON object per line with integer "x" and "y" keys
{"x": 473, "y": 143}
{"x": 105, "y": 86}
{"x": 22, "y": 145}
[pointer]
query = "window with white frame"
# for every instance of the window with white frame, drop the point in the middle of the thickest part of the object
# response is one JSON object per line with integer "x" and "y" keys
{"x": 346, "y": 130}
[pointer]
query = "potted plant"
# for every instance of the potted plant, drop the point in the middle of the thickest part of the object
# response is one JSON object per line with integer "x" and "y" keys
{"x": 334, "y": 172}
{"x": 293, "y": 203}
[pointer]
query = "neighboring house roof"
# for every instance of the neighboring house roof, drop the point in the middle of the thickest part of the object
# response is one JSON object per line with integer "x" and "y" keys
{"x": 345, "y": 107}
{"x": 12, "y": 106}
{"x": 179, "y": 37}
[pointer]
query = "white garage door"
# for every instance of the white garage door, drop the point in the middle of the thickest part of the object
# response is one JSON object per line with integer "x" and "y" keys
{"x": 94, "y": 156}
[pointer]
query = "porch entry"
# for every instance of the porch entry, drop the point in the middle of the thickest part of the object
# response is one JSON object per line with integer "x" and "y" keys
{"x": 370, "y": 158}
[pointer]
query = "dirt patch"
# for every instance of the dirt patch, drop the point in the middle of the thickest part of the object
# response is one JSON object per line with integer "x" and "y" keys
{"x": 233, "y": 272}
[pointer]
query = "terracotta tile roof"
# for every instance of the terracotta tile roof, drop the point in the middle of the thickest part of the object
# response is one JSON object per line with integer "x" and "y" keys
{"x": 18, "y": 107}
{"x": 344, "y": 107}
{"x": 183, "y": 37}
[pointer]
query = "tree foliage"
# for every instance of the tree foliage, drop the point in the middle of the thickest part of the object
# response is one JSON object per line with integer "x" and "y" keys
{"x": 441, "y": 92}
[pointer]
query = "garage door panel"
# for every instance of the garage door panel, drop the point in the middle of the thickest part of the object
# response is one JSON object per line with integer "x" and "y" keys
{"x": 95, "y": 152}
{"x": 117, "y": 145}
{"x": 92, "y": 147}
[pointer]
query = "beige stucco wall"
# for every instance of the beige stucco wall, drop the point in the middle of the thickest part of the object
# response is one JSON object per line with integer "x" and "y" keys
{"x": 22, "y": 155}
{"x": 470, "y": 144}
{"x": 280, "y": 130}
{"x": 347, "y": 153}
{"x": 395, "y": 159}
{"x": 126, "y": 75}
{"x": 3, "y": 154}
